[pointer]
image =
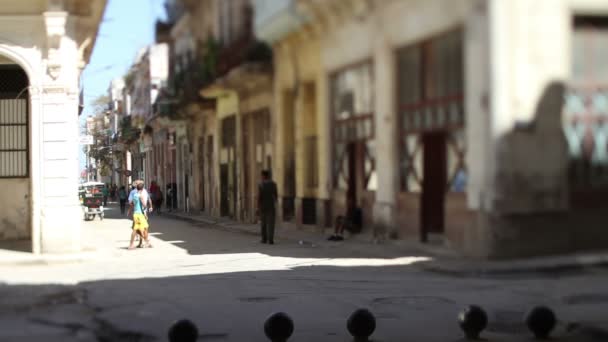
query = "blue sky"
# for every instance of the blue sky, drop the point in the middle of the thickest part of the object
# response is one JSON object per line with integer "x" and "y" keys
{"x": 127, "y": 26}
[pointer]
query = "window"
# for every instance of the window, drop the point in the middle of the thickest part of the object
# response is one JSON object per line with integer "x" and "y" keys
{"x": 13, "y": 138}
{"x": 431, "y": 84}
{"x": 430, "y": 94}
{"x": 229, "y": 132}
{"x": 352, "y": 91}
{"x": 312, "y": 165}
{"x": 585, "y": 109}
{"x": 226, "y": 21}
{"x": 14, "y": 125}
{"x": 352, "y": 107}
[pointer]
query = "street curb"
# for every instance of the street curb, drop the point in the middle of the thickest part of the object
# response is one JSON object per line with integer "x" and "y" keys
{"x": 454, "y": 266}
{"x": 545, "y": 265}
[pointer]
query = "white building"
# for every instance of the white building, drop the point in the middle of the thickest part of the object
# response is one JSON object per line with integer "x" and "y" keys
{"x": 44, "y": 46}
{"x": 116, "y": 108}
{"x": 147, "y": 75}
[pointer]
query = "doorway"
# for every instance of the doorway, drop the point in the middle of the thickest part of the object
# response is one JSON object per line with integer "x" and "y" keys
{"x": 16, "y": 226}
{"x": 289, "y": 156}
{"x": 351, "y": 192}
{"x": 228, "y": 186}
{"x": 433, "y": 184}
{"x": 224, "y": 201}
{"x": 210, "y": 178}
{"x": 201, "y": 172}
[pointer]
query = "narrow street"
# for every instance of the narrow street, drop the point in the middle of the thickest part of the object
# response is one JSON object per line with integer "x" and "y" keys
{"x": 228, "y": 283}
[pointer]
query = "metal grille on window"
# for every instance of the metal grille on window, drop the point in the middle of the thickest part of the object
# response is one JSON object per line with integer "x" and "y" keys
{"x": 13, "y": 138}
{"x": 585, "y": 113}
{"x": 352, "y": 110}
{"x": 431, "y": 85}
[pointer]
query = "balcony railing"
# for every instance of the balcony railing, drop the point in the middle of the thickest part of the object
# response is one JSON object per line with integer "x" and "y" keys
{"x": 212, "y": 61}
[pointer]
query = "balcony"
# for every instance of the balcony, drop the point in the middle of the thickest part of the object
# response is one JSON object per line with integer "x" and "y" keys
{"x": 276, "y": 19}
{"x": 244, "y": 50}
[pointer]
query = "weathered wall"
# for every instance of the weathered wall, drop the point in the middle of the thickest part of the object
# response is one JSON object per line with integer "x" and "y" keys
{"x": 298, "y": 72}
{"x": 15, "y": 213}
{"x": 390, "y": 26}
{"x": 53, "y": 72}
{"x": 251, "y": 103}
{"x": 525, "y": 207}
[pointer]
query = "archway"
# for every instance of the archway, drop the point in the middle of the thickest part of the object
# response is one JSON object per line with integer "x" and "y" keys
{"x": 15, "y": 157}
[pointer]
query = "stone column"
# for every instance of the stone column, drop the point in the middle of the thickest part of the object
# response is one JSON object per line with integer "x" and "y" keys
{"x": 61, "y": 215}
{"x": 325, "y": 152}
{"x": 35, "y": 168}
{"x": 300, "y": 157}
{"x": 238, "y": 158}
{"x": 387, "y": 159}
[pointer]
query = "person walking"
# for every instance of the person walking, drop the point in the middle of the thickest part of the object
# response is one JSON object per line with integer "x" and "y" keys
{"x": 267, "y": 198}
{"x": 156, "y": 196}
{"x": 137, "y": 206}
{"x": 122, "y": 197}
{"x": 169, "y": 197}
{"x": 113, "y": 193}
{"x": 105, "y": 191}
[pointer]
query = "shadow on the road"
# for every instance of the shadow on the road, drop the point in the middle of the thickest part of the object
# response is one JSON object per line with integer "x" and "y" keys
{"x": 233, "y": 306}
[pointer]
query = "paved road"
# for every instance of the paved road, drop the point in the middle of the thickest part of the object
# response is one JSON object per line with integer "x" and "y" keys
{"x": 228, "y": 283}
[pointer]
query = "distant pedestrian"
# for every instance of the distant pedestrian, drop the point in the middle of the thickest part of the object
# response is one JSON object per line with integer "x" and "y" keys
{"x": 267, "y": 198}
{"x": 122, "y": 196}
{"x": 113, "y": 192}
{"x": 156, "y": 195}
{"x": 105, "y": 191}
{"x": 158, "y": 201}
{"x": 169, "y": 197}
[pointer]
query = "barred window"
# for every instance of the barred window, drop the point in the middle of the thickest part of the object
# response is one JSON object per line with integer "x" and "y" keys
{"x": 14, "y": 135}
{"x": 13, "y": 139}
{"x": 431, "y": 98}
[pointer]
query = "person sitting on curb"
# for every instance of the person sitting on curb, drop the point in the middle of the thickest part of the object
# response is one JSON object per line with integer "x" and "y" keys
{"x": 353, "y": 222}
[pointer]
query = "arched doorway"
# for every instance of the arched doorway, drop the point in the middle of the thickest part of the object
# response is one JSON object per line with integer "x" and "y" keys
{"x": 15, "y": 168}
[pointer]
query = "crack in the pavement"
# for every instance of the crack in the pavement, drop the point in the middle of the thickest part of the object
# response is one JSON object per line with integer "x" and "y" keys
{"x": 72, "y": 327}
{"x": 108, "y": 332}
{"x": 101, "y": 328}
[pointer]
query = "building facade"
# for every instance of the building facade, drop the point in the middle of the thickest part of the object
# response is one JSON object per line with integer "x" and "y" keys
{"x": 299, "y": 97}
{"x": 444, "y": 121}
{"x": 242, "y": 128}
{"x": 43, "y": 48}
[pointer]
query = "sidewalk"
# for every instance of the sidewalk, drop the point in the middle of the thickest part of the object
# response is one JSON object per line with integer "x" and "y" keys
{"x": 441, "y": 259}
{"x": 97, "y": 246}
{"x": 308, "y": 235}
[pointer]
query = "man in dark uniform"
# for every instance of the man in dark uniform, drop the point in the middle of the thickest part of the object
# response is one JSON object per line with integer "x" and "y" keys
{"x": 267, "y": 198}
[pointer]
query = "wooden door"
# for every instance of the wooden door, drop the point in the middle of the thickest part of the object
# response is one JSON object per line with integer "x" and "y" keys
{"x": 210, "y": 177}
{"x": 351, "y": 194}
{"x": 433, "y": 183}
{"x": 224, "y": 195}
{"x": 201, "y": 171}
